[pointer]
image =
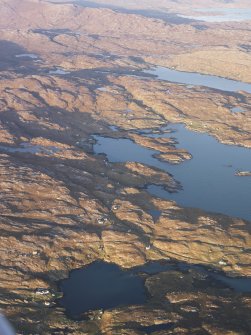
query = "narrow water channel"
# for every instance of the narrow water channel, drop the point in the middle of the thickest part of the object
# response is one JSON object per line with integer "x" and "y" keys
{"x": 190, "y": 78}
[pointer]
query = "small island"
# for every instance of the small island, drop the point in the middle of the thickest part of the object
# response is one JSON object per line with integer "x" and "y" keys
{"x": 243, "y": 173}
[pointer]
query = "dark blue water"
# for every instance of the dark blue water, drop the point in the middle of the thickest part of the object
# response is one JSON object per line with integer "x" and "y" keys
{"x": 102, "y": 285}
{"x": 155, "y": 214}
{"x": 208, "y": 179}
{"x": 155, "y": 328}
{"x": 198, "y": 79}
